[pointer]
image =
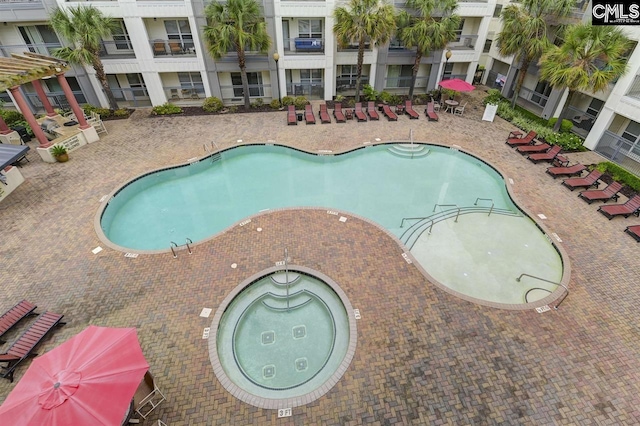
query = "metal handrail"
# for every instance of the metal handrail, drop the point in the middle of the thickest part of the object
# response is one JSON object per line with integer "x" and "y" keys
{"x": 175, "y": 255}
{"x": 485, "y": 199}
{"x": 548, "y": 281}
{"x": 188, "y": 246}
{"x": 187, "y": 243}
{"x": 448, "y": 205}
{"x": 211, "y": 152}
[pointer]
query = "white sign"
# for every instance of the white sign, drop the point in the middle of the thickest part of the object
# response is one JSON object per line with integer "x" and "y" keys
{"x": 284, "y": 412}
{"x": 489, "y": 112}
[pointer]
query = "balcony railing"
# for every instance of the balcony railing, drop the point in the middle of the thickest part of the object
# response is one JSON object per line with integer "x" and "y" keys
{"x": 533, "y": 96}
{"x": 57, "y": 99}
{"x": 582, "y": 121}
{"x": 403, "y": 82}
{"x": 620, "y": 151}
{"x": 452, "y": 76}
{"x": 347, "y": 85}
{"x": 304, "y": 45}
{"x": 235, "y": 93}
{"x": 184, "y": 93}
{"x": 162, "y": 48}
{"x": 634, "y": 90}
{"x": 354, "y": 48}
{"x": 309, "y": 90}
{"x": 466, "y": 42}
{"x": 42, "y": 49}
{"x": 131, "y": 96}
{"x": 116, "y": 49}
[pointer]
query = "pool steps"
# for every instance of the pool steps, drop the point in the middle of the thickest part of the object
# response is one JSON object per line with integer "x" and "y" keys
{"x": 407, "y": 150}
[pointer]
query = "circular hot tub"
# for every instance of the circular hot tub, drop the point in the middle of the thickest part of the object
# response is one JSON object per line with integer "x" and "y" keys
{"x": 283, "y": 338}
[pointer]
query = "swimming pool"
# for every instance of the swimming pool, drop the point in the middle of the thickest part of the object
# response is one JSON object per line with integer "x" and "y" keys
{"x": 197, "y": 201}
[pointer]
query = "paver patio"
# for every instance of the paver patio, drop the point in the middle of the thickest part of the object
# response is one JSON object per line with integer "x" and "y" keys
{"x": 423, "y": 355}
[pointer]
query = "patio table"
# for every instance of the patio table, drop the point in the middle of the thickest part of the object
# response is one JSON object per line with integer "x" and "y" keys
{"x": 451, "y": 105}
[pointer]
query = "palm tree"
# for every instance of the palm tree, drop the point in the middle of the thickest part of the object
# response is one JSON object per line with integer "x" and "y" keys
{"x": 426, "y": 32}
{"x": 362, "y": 21}
{"x": 237, "y": 25}
{"x": 524, "y": 32}
{"x": 84, "y": 27}
{"x": 590, "y": 58}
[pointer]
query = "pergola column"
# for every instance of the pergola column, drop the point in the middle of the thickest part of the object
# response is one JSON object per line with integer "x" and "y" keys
{"x": 28, "y": 115}
{"x": 4, "y": 129}
{"x": 75, "y": 107}
{"x": 37, "y": 84}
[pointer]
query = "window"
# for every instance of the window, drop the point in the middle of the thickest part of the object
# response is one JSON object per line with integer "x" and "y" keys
{"x": 136, "y": 83}
{"x": 121, "y": 37}
{"x": 255, "y": 84}
{"x": 487, "y": 46}
{"x": 40, "y": 39}
{"x": 347, "y": 76}
{"x": 310, "y": 28}
{"x": 311, "y": 76}
{"x": 497, "y": 11}
{"x": 191, "y": 80}
{"x": 459, "y": 31}
{"x": 399, "y": 75}
{"x": 632, "y": 132}
{"x": 180, "y": 30}
{"x": 595, "y": 107}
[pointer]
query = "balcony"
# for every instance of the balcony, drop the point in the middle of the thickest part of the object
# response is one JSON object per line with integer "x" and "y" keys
{"x": 391, "y": 83}
{"x": 234, "y": 94}
{"x": 466, "y": 42}
{"x": 163, "y": 48}
{"x": 42, "y": 49}
{"x": 304, "y": 45}
{"x": 582, "y": 121}
{"x": 116, "y": 49}
{"x": 309, "y": 90}
{"x": 184, "y": 94}
{"x": 347, "y": 85}
{"x": 621, "y": 151}
{"x": 634, "y": 90}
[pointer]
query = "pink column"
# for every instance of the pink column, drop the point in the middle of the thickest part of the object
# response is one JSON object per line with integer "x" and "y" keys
{"x": 72, "y": 101}
{"x": 4, "y": 129}
{"x": 28, "y": 115}
{"x": 37, "y": 84}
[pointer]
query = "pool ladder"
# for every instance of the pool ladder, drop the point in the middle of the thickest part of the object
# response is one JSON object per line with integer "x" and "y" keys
{"x": 214, "y": 155}
{"x": 175, "y": 246}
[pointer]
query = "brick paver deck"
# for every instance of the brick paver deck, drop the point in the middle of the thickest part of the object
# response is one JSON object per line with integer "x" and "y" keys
{"x": 423, "y": 355}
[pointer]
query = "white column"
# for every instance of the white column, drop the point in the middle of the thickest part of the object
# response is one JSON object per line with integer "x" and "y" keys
{"x": 603, "y": 122}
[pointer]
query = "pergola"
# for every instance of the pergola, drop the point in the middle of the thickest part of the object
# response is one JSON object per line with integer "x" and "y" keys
{"x": 30, "y": 67}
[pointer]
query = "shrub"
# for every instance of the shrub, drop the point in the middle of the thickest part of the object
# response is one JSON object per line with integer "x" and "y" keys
{"x": 121, "y": 112}
{"x": 275, "y": 104}
{"x": 621, "y": 175}
{"x": 385, "y": 97}
{"x": 212, "y": 104}
{"x": 257, "y": 103}
{"x": 288, "y": 100}
{"x": 493, "y": 97}
{"x": 564, "y": 127}
{"x": 300, "y": 102}
{"x": 505, "y": 111}
{"x": 369, "y": 93}
{"x": 233, "y": 108}
{"x": 11, "y": 117}
{"x": 166, "y": 109}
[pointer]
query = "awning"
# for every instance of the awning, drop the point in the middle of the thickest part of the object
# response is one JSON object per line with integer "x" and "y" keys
{"x": 9, "y": 154}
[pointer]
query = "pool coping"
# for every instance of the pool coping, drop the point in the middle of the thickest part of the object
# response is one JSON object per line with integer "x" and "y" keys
{"x": 272, "y": 403}
{"x": 539, "y": 304}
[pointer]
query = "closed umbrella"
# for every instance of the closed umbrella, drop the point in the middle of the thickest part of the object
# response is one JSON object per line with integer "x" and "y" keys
{"x": 88, "y": 380}
{"x": 457, "y": 85}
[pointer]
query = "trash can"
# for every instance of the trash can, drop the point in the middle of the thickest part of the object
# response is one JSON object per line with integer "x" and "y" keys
{"x": 299, "y": 116}
{"x": 22, "y": 131}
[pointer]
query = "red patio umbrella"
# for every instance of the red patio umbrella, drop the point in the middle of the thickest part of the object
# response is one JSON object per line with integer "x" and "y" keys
{"x": 88, "y": 380}
{"x": 457, "y": 85}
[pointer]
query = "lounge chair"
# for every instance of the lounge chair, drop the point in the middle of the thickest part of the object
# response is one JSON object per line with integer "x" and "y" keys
{"x": 606, "y": 194}
{"x": 360, "y": 115}
{"x": 430, "y": 112}
{"x": 518, "y": 141}
{"x": 14, "y": 315}
{"x": 324, "y": 114}
{"x": 408, "y": 108}
{"x": 391, "y": 116}
{"x": 292, "y": 118}
{"x": 586, "y": 182}
{"x": 338, "y": 114}
{"x": 308, "y": 115}
{"x": 546, "y": 156}
{"x": 533, "y": 149}
{"x": 632, "y": 206}
{"x": 634, "y": 231}
{"x": 371, "y": 110}
{"x": 574, "y": 170}
{"x": 22, "y": 348}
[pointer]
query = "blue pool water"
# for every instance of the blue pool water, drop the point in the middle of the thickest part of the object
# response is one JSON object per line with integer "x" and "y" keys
{"x": 199, "y": 200}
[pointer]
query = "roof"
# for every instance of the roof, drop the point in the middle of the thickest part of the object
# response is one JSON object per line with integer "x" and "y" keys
{"x": 26, "y": 67}
{"x": 10, "y": 153}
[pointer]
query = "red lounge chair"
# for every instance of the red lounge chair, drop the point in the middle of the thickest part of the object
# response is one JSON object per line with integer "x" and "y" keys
{"x": 371, "y": 110}
{"x": 360, "y": 115}
{"x": 627, "y": 209}
{"x": 533, "y": 149}
{"x": 527, "y": 140}
{"x": 308, "y": 115}
{"x": 324, "y": 114}
{"x": 546, "y": 156}
{"x": 574, "y": 170}
{"x": 337, "y": 113}
{"x": 14, "y": 315}
{"x": 391, "y": 116}
{"x": 634, "y": 231}
{"x": 22, "y": 348}
{"x": 292, "y": 118}
{"x": 586, "y": 182}
{"x": 430, "y": 112}
{"x": 609, "y": 193}
{"x": 408, "y": 108}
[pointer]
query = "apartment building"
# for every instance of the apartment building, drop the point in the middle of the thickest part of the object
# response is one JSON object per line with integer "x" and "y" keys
{"x": 158, "y": 55}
